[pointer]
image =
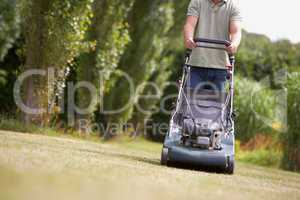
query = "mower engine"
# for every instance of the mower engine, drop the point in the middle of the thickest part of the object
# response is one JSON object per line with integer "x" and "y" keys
{"x": 201, "y": 135}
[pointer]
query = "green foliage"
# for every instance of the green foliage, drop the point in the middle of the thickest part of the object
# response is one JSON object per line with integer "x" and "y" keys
{"x": 292, "y": 138}
{"x": 265, "y": 156}
{"x": 113, "y": 48}
{"x": 2, "y": 77}
{"x": 150, "y": 105}
{"x": 268, "y": 158}
{"x": 9, "y": 25}
{"x": 252, "y": 54}
{"x": 12, "y": 124}
{"x": 57, "y": 28}
{"x": 149, "y": 23}
{"x": 259, "y": 57}
{"x": 54, "y": 31}
{"x": 255, "y": 108}
{"x": 109, "y": 33}
{"x": 9, "y": 70}
{"x": 112, "y": 32}
{"x": 15, "y": 125}
{"x": 67, "y": 23}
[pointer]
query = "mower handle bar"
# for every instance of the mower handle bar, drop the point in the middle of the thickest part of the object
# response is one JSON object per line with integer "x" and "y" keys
{"x": 225, "y": 43}
{"x": 213, "y": 41}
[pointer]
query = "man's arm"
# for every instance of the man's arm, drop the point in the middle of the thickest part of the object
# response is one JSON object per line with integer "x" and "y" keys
{"x": 235, "y": 31}
{"x": 189, "y": 30}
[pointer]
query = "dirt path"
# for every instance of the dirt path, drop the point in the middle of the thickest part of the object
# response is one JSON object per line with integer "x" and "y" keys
{"x": 41, "y": 167}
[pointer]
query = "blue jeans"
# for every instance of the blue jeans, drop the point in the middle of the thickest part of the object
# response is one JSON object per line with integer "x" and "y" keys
{"x": 207, "y": 78}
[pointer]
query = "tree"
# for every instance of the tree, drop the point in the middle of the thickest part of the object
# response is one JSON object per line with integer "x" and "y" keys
{"x": 109, "y": 32}
{"x": 149, "y": 99}
{"x": 149, "y": 22}
{"x": 53, "y": 31}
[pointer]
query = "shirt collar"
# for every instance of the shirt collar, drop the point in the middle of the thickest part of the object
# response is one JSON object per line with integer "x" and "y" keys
{"x": 224, "y": 1}
{"x": 214, "y": 6}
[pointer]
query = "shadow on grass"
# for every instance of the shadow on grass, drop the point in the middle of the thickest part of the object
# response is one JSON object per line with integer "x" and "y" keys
{"x": 130, "y": 157}
{"x": 207, "y": 169}
{"x": 121, "y": 155}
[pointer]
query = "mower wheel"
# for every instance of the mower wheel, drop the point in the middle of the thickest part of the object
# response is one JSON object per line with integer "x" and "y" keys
{"x": 164, "y": 156}
{"x": 230, "y": 167}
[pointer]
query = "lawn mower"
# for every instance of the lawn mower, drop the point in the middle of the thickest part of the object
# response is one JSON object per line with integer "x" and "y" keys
{"x": 201, "y": 129}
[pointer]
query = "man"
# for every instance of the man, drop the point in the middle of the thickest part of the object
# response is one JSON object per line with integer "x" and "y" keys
{"x": 213, "y": 19}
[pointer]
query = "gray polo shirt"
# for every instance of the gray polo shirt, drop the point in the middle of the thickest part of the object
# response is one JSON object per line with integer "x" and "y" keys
{"x": 213, "y": 23}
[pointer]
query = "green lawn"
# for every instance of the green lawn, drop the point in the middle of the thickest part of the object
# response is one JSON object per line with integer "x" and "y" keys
{"x": 42, "y": 167}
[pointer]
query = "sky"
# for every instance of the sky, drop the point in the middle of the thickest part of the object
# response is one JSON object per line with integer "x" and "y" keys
{"x": 274, "y": 18}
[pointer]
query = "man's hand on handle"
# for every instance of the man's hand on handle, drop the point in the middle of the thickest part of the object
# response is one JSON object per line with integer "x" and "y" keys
{"x": 232, "y": 49}
{"x": 190, "y": 43}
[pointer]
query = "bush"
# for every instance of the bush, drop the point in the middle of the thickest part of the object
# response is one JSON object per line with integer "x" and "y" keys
{"x": 255, "y": 109}
{"x": 15, "y": 125}
{"x": 291, "y": 140}
{"x": 12, "y": 124}
{"x": 263, "y": 157}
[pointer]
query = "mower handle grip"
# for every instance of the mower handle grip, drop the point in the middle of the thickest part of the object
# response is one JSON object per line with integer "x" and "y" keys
{"x": 225, "y": 43}
{"x": 213, "y": 41}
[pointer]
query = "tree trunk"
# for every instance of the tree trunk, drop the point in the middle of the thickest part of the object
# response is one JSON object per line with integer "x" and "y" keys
{"x": 35, "y": 87}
